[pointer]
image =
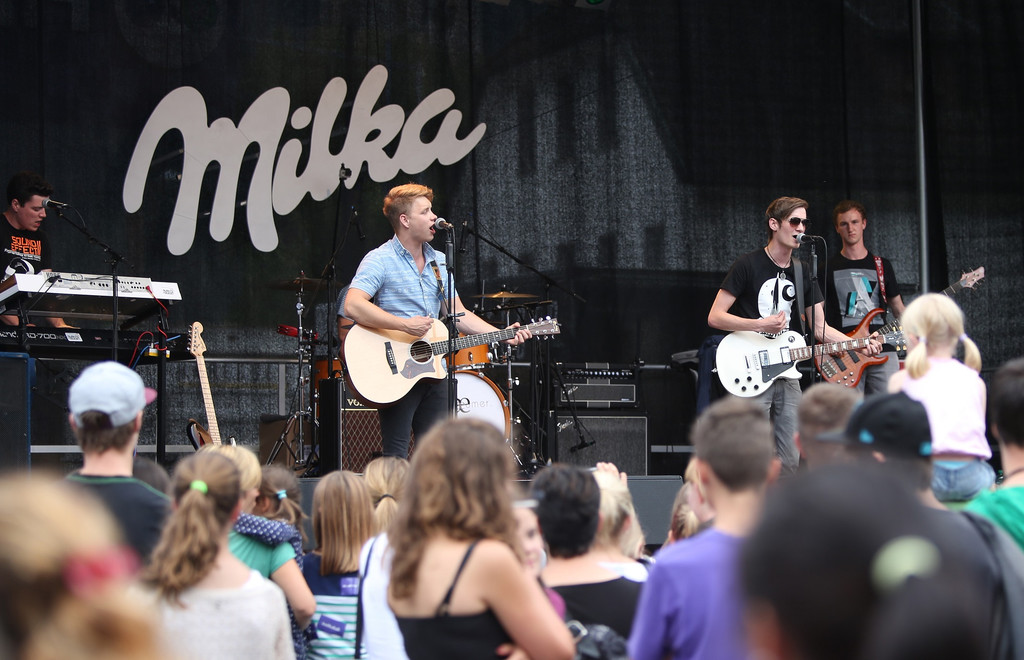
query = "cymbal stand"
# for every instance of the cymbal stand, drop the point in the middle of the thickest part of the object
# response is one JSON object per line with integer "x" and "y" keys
{"x": 510, "y": 383}
{"x": 304, "y": 408}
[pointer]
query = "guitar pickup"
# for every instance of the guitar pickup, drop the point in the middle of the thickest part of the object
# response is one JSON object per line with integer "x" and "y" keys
{"x": 389, "y": 352}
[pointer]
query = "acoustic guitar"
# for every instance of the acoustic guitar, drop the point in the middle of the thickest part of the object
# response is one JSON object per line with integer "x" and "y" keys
{"x": 383, "y": 365}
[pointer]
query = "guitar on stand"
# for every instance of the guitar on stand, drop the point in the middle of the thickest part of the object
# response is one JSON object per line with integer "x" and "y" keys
{"x": 847, "y": 368}
{"x": 197, "y": 434}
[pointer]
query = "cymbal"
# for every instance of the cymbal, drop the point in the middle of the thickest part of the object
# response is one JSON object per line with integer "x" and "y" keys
{"x": 501, "y": 295}
{"x": 507, "y": 308}
{"x": 296, "y": 284}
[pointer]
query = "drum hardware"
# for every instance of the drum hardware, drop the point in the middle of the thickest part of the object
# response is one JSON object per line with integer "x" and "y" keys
{"x": 503, "y": 295}
{"x": 305, "y": 340}
{"x": 299, "y": 284}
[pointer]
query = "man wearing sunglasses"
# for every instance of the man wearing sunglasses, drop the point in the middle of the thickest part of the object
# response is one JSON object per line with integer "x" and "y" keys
{"x": 858, "y": 283}
{"x": 759, "y": 294}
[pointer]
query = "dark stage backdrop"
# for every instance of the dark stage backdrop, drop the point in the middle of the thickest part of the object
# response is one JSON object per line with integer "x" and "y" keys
{"x": 621, "y": 157}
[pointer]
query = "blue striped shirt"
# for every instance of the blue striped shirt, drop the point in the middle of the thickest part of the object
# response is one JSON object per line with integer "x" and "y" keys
{"x": 388, "y": 274}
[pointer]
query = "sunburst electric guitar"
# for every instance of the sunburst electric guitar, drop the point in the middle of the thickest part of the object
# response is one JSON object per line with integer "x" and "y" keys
{"x": 198, "y": 435}
{"x": 383, "y": 365}
{"x": 848, "y": 368}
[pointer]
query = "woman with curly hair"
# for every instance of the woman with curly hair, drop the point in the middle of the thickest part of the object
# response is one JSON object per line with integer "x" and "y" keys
{"x": 457, "y": 587}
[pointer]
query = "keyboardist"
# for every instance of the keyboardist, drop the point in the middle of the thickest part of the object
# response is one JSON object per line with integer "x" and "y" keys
{"x": 26, "y": 248}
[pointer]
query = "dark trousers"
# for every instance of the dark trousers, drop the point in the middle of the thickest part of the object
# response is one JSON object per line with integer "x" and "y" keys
{"x": 424, "y": 405}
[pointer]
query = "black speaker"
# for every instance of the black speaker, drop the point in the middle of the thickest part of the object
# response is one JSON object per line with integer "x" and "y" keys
{"x": 349, "y": 431}
{"x": 619, "y": 439}
{"x": 653, "y": 497}
{"x": 17, "y": 372}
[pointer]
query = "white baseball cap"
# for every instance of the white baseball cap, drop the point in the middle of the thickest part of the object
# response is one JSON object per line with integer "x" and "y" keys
{"x": 110, "y": 388}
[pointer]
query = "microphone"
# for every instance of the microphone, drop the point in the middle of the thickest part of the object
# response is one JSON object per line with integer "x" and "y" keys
{"x": 583, "y": 444}
{"x": 441, "y": 223}
{"x": 359, "y": 227}
{"x": 52, "y": 203}
{"x": 806, "y": 238}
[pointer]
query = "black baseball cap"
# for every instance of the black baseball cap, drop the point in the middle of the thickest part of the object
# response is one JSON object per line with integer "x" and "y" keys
{"x": 890, "y": 423}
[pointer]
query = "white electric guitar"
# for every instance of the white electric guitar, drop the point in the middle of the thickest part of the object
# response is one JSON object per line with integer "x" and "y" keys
{"x": 749, "y": 362}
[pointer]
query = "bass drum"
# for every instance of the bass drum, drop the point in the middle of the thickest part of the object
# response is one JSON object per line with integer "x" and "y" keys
{"x": 479, "y": 398}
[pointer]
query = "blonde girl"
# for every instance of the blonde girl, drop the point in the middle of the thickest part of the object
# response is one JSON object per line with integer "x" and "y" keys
{"x": 385, "y": 477}
{"x": 952, "y": 392}
{"x": 342, "y": 522}
{"x": 197, "y": 580}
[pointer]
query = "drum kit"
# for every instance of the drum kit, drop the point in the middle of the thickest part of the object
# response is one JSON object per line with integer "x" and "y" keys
{"x": 479, "y": 397}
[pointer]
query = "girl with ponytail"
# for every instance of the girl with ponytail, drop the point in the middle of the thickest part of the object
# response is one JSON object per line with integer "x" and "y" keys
{"x": 951, "y": 391}
{"x": 198, "y": 581}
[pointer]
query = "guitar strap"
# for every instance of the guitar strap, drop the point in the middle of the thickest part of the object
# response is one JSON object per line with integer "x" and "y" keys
{"x": 881, "y": 279}
{"x": 440, "y": 288}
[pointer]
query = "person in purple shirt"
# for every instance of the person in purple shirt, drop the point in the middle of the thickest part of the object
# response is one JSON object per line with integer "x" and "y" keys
{"x": 691, "y": 606}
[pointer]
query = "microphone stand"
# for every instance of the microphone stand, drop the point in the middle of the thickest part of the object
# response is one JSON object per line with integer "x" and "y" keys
{"x": 815, "y": 376}
{"x": 548, "y": 281}
{"x": 329, "y": 273}
{"x": 452, "y": 321}
{"x": 115, "y": 258}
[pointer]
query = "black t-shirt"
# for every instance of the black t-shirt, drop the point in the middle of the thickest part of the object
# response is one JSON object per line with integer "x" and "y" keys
{"x": 140, "y": 509}
{"x": 763, "y": 289}
{"x": 852, "y": 290}
{"x": 30, "y": 246}
{"x": 612, "y": 603}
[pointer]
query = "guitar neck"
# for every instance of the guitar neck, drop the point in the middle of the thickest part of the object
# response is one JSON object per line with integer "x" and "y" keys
{"x": 469, "y": 341}
{"x": 828, "y": 348}
{"x": 211, "y": 415}
{"x": 953, "y": 289}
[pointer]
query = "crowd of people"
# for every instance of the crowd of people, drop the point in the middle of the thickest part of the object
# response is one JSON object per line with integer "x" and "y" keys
{"x": 860, "y": 554}
{"x": 835, "y": 522}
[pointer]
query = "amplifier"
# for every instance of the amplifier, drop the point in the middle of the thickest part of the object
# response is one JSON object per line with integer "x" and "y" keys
{"x": 596, "y": 385}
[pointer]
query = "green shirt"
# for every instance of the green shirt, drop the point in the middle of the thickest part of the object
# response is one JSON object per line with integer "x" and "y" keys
{"x": 1004, "y": 507}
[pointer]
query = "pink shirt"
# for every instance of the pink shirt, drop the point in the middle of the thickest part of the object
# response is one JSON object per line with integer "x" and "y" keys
{"x": 952, "y": 395}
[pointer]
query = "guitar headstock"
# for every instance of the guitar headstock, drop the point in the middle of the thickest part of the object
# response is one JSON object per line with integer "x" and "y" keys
{"x": 196, "y": 346}
{"x": 545, "y": 327}
{"x": 892, "y": 334}
{"x": 968, "y": 280}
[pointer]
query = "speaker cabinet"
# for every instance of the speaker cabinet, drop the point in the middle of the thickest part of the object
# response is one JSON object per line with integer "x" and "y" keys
{"x": 17, "y": 371}
{"x": 619, "y": 439}
{"x": 653, "y": 497}
{"x": 349, "y": 432}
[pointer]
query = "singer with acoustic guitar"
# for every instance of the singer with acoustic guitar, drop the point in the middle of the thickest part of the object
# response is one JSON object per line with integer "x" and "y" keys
{"x": 759, "y": 295}
{"x": 402, "y": 286}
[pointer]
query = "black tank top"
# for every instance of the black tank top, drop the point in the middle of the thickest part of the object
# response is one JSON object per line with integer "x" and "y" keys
{"x": 443, "y": 636}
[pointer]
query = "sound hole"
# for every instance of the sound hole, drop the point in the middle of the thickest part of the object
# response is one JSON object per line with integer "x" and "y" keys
{"x": 420, "y": 351}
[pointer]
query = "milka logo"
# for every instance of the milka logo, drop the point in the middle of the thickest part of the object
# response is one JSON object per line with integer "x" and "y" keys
{"x": 279, "y": 186}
